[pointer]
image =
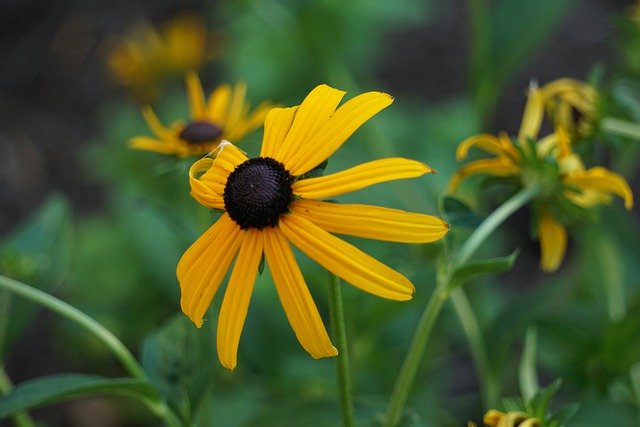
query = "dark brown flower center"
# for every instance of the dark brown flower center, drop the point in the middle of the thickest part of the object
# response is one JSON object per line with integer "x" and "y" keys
{"x": 257, "y": 192}
{"x": 200, "y": 132}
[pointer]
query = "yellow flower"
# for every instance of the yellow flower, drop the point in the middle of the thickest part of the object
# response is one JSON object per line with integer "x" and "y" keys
{"x": 147, "y": 55}
{"x": 225, "y": 115}
{"x": 583, "y": 187}
{"x": 269, "y": 205}
{"x": 510, "y": 419}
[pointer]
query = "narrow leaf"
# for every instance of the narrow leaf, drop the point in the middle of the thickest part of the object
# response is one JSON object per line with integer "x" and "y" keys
{"x": 481, "y": 267}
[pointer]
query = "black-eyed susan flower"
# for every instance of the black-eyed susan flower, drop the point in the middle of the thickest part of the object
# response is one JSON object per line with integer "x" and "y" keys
{"x": 496, "y": 418}
{"x": 146, "y": 56}
{"x": 225, "y": 115}
{"x": 269, "y": 205}
{"x": 549, "y": 163}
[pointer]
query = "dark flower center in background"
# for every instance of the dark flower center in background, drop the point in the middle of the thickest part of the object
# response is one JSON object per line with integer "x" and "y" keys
{"x": 257, "y": 192}
{"x": 200, "y": 132}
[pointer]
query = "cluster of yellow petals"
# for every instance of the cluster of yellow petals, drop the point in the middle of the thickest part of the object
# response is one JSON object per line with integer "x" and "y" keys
{"x": 584, "y": 187}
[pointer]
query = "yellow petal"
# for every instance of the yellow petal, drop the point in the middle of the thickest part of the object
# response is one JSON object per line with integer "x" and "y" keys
{"x": 497, "y": 167}
{"x": 196, "y": 96}
{"x": 237, "y": 296}
{"x": 372, "y": 222}
{"x": 532, "y": 116}
{"x": 358, "y": 177}
{"x": 345, "y": 260}
{"x": 218, "y": 104}
{"x": 487, "y": 143}
{"x": 165, "y": 146}
{"x": 601, "y": 180}
{"x": 343, "y": 123}
{"x": 154, "y": 123}
{"x": 236, "y": 106}
{"x": 204, "y": 265}
{"x": 312, "y": 115}
{"x": 553, "y": 242}
{"x": 276, "y": 126}
{"x": 296, "y": 300}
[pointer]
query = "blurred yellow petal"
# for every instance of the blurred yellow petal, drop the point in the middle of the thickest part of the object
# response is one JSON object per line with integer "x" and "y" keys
{"x": 312, "y": 115}
{"x": 154, "y": 123}
{"x": 204, "y": 265}
{"x": 218, "y": 104}
{"x": 553, "y": 241}
{"x": 237, "y": 296}
{"x": 485, "y": 142}
{"x": 276, "y": 126}
{"x": 158, "y": 146}
{"x": 497, "y": 167}
{"x": 306, "y": 155}
{"x": 345, "y": 260}
{"x": 532, "y": 116}
{"x": 372, "y": 222}
{"x": 195, "y": 94}
{"x": 358, "y": 177}
{"x": 236, "y": 105}
{"x": 601, "y": 180}
{"x": 296, "y": 300}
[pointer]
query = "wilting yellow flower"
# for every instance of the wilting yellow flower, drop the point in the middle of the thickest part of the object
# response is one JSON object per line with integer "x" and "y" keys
{"x": 147, "y": 55}
{"x": 571, "y": 104}
{"x": 510, "y": 419}
{"x": 583, "y": 187}
{"x": 270, "y": 205}
{"x": 225, "y": 115}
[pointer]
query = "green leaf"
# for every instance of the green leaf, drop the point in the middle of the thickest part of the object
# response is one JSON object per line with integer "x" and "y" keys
{"x": 57, "y": 388}
{"x": 458, "y": 214}
{"x": 539, "y": 404}
{"x": 180, "y": 361}
{"x": 38, "y": 252}
{"x": 527, "y": 371}
{"x": 482, "y": 267}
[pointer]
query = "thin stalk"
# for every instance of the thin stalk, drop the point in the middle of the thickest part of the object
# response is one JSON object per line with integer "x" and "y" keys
{"x": 342, "y": 366}
{"x": 619, "y": 127}
{"x": 20, "y": 420}
{"x": 62, "y": 308}
{"x": 414, "y": 356}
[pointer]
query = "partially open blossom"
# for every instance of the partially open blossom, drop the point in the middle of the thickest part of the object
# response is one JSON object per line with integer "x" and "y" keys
{"x": 224, "y": 115}
{"x": 270, "y": 205}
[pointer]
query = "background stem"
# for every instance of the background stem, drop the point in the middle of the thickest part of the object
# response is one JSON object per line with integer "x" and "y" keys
{"x": 20, "y": 420}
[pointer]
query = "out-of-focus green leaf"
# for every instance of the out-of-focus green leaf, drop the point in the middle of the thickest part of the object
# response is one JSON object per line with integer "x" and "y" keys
{"x": 527, "y": 370}
{"x": 57, "y": 388}
{"x": 38, "y": 252}
{"x": 180, "y": 361}
{"x": 458, "y": 213}
{"x": 482, "y": 267}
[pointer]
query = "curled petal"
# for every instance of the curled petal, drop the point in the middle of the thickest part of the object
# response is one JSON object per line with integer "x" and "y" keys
{"x": 296, "y": 300}
{"x": 601, "y": 180}
{"x": 345, "y": 260}
{"x": 360, "y": 176}
{"x": 553, "y": 241}
{"x": 497, "y": 167}
{"x": 488, "y": 143}
{"x": 372, "y": 222}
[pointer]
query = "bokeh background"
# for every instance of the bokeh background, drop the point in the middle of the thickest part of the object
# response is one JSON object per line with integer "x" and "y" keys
{"x": 102, "y": 226}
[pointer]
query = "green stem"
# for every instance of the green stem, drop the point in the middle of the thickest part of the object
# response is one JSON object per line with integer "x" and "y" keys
{"x": 342, "y": 367}
{"x": 620, "y": 127}
{"x": 492, "y": 222}
{"x": 412, "y": 361}
{"x": 20, "y": 420}
{"x": 62, "y": 308}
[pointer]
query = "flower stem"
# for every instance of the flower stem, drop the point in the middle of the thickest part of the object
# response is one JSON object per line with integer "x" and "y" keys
{"x": 20, "y": 420}
{"x": 62, "y": 308}
{"x": 342, "y": 367}
{"x": 620, "y": 127}
{"x": 436, "y": 302}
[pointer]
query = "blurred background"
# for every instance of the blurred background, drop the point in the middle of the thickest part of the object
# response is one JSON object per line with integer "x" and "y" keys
{"x": 102, "y": 226}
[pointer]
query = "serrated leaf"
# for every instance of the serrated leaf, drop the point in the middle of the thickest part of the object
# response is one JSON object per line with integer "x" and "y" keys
{"x": 57, "y": 388}
{"x": 180, "y": 361}
{"x": 482, "y": 267}
{"x": 458, "y": 214}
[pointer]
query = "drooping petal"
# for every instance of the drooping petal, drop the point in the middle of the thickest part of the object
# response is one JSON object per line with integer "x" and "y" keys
{"x": 276, "y": 126}
{"x": 312, "y": 115}
{"x": 360, "y": 176}
{"x": 154, "y": 123}
{"x": 237, "y": 296}
{"x": 497, "y": 167}
{"x": 553, "y": 241}
{"x": 196, "y": 96}
{"x": 532, "y": 116}
{"x": 296, "y": 300}
{"x": 372, "y": 222}
{"x": 485, "y": 142}
{"x": 342, "y": 124}
{"x": 345, "y": 260}
{"x": 204, "y": 265}
{"x": 601, "y": 180}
